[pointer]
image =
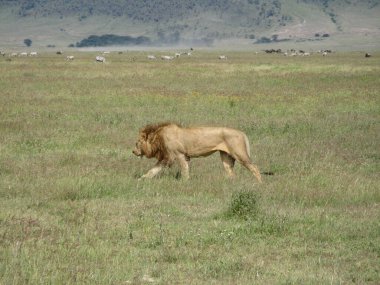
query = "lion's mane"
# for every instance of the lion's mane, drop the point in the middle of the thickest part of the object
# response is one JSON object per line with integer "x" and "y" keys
{"x": 155, "y": 146}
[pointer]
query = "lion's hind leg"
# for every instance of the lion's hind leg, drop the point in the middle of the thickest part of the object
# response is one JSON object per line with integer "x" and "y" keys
{"x": 246, "y": 162}
{"x": 228, "y": 163}
{"x": 242, "y": 156}
{"x": 253, "y": 168}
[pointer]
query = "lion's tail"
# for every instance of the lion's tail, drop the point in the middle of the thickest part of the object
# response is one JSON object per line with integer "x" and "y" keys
{"x": 247, "y": 147}
{"x": 249, "y": 155}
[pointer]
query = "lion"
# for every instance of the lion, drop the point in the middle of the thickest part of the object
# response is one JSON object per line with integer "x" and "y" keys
{"x": 169, "y": 142}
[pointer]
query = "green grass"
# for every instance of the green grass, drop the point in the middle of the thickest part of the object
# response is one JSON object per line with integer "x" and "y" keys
{"x": 73, "y": 212}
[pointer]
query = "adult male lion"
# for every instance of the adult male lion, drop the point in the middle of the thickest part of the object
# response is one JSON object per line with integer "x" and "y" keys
{"x": 168, "y": 142}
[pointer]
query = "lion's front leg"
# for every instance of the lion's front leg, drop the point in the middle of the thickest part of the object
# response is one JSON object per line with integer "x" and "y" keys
{"x": 184, "y": 164}
{"x": 154, "y": 171}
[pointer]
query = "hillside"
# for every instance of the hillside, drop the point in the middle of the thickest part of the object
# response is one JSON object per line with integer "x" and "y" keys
{"x": 198, "y": 22}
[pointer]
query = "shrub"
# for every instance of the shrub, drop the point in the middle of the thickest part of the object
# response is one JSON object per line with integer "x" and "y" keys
{"x": 263, "y": 40}
{"x": 244, "y": 205}
{"x": 110, "y": 39}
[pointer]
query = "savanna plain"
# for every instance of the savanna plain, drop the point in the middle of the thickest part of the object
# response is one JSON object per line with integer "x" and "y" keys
{"x": 72, "y": 210}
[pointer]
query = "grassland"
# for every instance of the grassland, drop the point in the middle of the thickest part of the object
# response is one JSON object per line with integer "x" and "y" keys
{"x": 73, "y": 212}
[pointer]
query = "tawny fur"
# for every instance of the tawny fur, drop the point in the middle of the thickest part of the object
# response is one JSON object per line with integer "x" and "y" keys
{"x": 169, "y": 142}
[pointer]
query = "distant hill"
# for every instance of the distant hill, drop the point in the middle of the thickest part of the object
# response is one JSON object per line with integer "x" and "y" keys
{"x": 159, "y": 22}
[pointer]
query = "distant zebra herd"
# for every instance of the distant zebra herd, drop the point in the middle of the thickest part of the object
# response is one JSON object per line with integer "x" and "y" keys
{"x": 21, "y": 54}
{"x": 102, "y": 58}
{"x": 169, "y": 57}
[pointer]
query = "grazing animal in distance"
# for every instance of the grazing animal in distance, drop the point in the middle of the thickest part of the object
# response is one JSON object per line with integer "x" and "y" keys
{"x": 70, "y": 57}
{"x": 167, "y": 57}
{"x": 100, "y": 59}
{"x": 223, "y": 57}
{"x": 169, "y": 142}
{"x": 368, "y": 54}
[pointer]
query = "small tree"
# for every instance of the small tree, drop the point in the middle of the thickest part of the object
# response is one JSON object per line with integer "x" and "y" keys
{"x": 28, "y": 42}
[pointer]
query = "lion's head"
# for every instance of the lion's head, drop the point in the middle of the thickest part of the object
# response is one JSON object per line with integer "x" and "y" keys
{"x": 150, "y": 143}
{"x": 141, "y": 147}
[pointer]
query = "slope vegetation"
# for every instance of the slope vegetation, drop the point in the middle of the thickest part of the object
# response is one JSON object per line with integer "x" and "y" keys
{"x": 170, "y": 21}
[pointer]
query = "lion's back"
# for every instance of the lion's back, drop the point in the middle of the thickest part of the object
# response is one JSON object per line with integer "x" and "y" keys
{"x": 199, "y": 141}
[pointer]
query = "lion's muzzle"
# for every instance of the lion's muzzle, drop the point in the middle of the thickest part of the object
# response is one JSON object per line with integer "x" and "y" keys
{"x": 137, "y": 152}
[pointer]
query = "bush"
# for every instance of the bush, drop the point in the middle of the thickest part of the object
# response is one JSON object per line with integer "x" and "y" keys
{"x": 263, "y": 40}
{"x": 110, "y": 39}
{"x": 28, "y": 42}
{"x": 244, "y": 205}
